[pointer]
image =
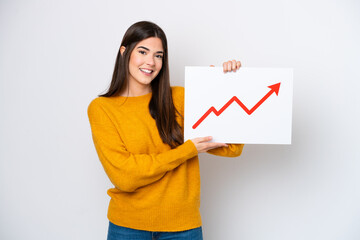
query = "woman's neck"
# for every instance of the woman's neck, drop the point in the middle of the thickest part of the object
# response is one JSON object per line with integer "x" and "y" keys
{"x": 135, "y": 92}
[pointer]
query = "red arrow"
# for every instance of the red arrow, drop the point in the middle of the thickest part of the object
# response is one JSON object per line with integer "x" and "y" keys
{"x": 274, "y": 89}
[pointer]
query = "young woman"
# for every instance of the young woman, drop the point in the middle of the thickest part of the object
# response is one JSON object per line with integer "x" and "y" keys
{"x": 137, "y": 128}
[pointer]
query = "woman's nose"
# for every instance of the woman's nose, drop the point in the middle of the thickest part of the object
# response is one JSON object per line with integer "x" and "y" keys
{"x": 150, "y": 60}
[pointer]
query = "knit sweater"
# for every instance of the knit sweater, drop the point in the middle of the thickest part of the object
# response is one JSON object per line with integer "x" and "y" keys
{"x": 156, "y": 188}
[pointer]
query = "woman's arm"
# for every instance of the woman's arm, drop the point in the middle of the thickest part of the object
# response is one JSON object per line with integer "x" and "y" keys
{"x": 129, "y": 171}
{"x": 126, "y": 170}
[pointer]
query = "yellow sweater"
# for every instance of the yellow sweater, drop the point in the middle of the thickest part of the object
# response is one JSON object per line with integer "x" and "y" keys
{"x": 156, "y": 188}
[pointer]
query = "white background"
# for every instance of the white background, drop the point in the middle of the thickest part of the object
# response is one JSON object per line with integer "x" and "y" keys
{"x": 56, "y": 56}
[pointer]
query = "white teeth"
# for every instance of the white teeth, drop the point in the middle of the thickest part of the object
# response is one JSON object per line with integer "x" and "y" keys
{"x": 146, "y": 70}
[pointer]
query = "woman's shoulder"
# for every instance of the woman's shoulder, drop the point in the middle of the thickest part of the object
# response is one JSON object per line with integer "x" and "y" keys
{"x": 99, "y": 104}
{"x": 104, "y": 100}
{"x": 98, "y": 101}
{"x": 94, "y": 105}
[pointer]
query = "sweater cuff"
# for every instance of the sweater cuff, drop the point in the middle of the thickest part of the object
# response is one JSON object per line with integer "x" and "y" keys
{"x": 188, "y": 148}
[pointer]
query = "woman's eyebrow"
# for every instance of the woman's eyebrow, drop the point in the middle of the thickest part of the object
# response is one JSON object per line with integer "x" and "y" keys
{"x": 149, "y": 49}
{"x": 144, "y": 48}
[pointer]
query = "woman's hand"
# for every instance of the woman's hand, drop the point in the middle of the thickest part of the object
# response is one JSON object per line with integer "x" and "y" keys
{"x": 202, "y": 144}
{"x": 230, "y": 66}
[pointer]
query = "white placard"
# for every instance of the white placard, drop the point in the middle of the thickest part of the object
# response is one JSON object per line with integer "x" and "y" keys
{"x": 251, "y": 105}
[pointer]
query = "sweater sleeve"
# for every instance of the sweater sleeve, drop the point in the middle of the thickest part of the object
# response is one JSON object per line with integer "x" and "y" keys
{"x": 233, "y": 150}
{"x": 126, "y": 170}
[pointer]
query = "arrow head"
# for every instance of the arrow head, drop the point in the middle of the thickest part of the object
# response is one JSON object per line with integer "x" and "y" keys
{"x": 275, "y": 88}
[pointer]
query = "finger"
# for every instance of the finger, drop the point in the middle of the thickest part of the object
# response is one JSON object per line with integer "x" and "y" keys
{"x": 215, "y": 145}
{"x": 212, "y": 66}
{"x": 202, "y": 139}
{"x": 233, "y": 65}
{"x": 229, "y": 64}
{"x": 224, "y": 67}
{"x": 238, "y": 64}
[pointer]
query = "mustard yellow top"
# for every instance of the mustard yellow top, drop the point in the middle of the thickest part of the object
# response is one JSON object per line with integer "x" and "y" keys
{"x": 156, "y": 188}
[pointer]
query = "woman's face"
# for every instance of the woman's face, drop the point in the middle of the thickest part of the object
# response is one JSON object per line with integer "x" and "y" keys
{"x": 145, "y": 62}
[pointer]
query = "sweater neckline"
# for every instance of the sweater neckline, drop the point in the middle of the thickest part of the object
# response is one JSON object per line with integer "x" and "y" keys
{"x": 135, "y": 99}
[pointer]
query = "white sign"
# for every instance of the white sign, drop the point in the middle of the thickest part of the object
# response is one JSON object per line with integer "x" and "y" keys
{"x": 251, "y": 105}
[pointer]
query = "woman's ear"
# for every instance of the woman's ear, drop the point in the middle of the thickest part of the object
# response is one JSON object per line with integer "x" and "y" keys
{"x": 122, "y": 50}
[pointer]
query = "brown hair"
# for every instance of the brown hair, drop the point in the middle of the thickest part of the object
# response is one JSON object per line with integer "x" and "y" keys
{"x": 161, "y": 105}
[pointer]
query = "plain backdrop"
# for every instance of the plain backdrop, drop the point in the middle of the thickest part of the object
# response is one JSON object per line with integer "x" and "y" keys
{"x": 56, "y": 56}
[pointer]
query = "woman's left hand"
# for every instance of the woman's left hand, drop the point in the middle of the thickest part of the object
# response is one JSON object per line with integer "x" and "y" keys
{"x": 231, "y": 66}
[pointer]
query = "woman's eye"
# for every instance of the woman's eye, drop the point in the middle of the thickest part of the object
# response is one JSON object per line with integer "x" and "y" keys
{"x": 142, "y": 52}
{"x": 159, "y": 56}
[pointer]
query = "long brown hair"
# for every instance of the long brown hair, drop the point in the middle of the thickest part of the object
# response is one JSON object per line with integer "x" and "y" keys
{"x": 161, "y": 105}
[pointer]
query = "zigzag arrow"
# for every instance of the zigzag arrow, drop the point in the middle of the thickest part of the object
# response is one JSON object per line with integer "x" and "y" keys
{"x": 274, "y": 89}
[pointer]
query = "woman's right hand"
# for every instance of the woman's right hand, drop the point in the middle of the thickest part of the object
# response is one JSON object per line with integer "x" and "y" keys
{"x": 202, "y": 144}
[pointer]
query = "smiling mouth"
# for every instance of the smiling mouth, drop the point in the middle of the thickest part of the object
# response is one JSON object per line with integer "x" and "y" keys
{"x": 148, "y": 71}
